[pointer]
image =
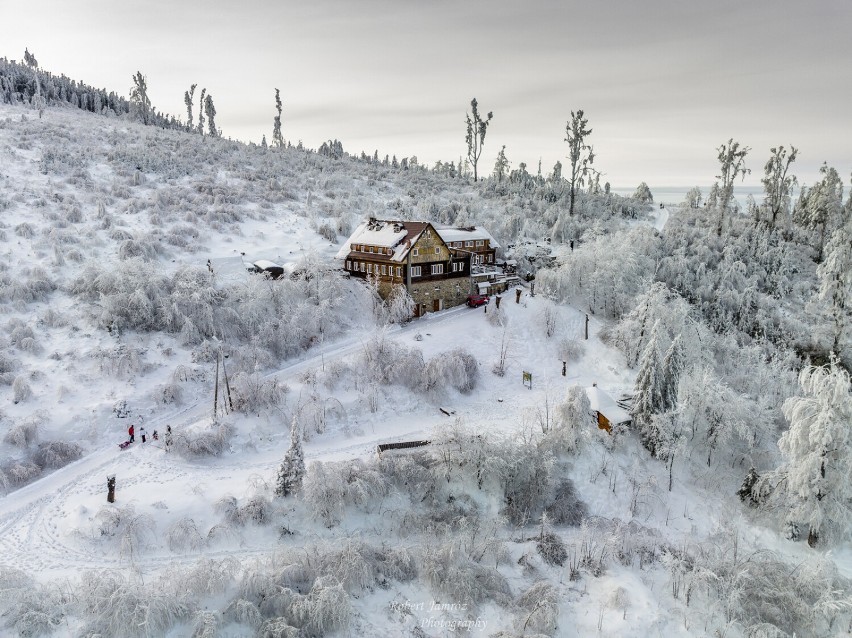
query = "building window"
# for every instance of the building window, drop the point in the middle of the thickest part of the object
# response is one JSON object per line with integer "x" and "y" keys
{"x": 363, "y": 267}
{"x": 370, "y": 268}
{"x": 384, "y": 269}
{"x": 490, "y": 258}
{"x": 399, "y": 271}
{"x": 371, "y": 249}
{"x": 480, "y": 242}
{"x": 415, "y": 252}
{"x": 461, "y": 267}
{"x": 437, "y": 269}
{"x": 455, "y": 267}
{"x": 415, "y": 271}
{"x": 468, "y": 244}
{"x": 348, "y": 265}
{"x": 437, "y": 250}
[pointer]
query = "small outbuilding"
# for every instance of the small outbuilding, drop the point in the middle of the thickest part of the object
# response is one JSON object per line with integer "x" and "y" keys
{"x": 606, "y": 409}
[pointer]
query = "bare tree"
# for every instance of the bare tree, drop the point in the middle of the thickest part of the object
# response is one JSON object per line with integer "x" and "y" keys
{"x": 580, "y": 154}
{"x": 776, "y": 183}
{"x": 476, "y": 129}
{"x": 732, "y": 161}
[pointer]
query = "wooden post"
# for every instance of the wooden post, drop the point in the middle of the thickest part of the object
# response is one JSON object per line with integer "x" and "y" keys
{"x": 111, "y": 489}
{"x": 517, "y": 295}
{"x": 587, "y": 326}
{"x": 216, "y": 388}
{"x": 230, "y": 403}
{"x": 564, "y": 367}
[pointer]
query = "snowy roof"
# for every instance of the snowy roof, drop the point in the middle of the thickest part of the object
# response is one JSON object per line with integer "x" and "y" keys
{"x": 602, "y": 402}
{"x": 396, "y": 235}
{"x": 454, "y": 233}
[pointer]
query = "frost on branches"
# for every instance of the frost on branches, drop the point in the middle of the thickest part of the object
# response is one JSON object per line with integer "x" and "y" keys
{"x": 292, "y": 469}
{"x": 818, "y": 452}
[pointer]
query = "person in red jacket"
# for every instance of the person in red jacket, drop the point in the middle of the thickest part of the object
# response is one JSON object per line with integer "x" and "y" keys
{"x": 131, "y": 432}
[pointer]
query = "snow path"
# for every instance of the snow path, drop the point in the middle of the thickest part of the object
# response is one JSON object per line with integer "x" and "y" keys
{"x": 31, "y": 517}
{"x": 661, "y": 219}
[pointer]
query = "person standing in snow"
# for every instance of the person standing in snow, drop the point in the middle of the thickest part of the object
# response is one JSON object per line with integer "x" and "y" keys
{"x": 168, "y": 437}
{"x": 130, "y": 432}
{"x": 142, "y": 432}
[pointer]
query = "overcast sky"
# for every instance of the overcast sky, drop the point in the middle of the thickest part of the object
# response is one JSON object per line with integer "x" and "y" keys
{"x": 662, "y": 82}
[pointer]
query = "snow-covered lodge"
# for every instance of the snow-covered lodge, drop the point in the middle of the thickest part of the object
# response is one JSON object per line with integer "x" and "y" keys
{"x": 435, "y": 263}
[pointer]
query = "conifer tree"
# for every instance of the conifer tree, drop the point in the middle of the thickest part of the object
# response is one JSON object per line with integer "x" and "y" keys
{"x": 277, "y": 138}
{"x": 210, "y": 111}
{"x": 823, "y": 210}
{"x": 292, "y": 469}
{"x": 139, "y": 96}
{"x": 187, "y": 99}
{"x": 673, "y": 366}
{"x": 648, "y": 398}
{"x": 835, "y": 277}
{"x": 501, "y": 166}
{"x": 201, "y": 111}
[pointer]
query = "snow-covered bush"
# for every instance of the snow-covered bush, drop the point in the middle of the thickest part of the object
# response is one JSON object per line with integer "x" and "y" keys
{"x": 324, "y": 492}
{"x": 23, "y": 434}
{"x": 450, "y": 572}
{"x": 52, "y": 455}
{"x": 210, "y": 441}
{"x": 117, "y": 606}
{"x": 21, "y": 389}
{"x": 325, "y": 609}
{"x": 538, "y": 610}
{"x": 21, "y": 472}
{"x": 551, "y": 548}
{"x": 36, "y": 611}
{"x": 183, "y": 536}
{"x": 257, "y": 510}
{"x": 566, "y": 507}
{"x": 457, "y": 369}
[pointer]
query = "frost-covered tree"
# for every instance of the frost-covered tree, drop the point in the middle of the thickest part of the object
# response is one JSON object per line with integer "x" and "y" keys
{"x": 580, "y": 154}
{"x": 823, "y": 211}
{"x": 835, "y": 280}
{"x": 399, "y": 305}
{"x": 475, "y": 138}
{"x": 673, "y": 366}
{"x": 818, "y": 451}
{"x": 277, "y": 138}
{"x": 201, "y": 111}
{"x": 648, "y": 397}
{"x": 777, "y": 184}
{"x": 693, "y": 197}
{"x": 643, "y": 194}
{"x": 292, "y": 469}
{"x": 210, "y": 111}
{"x": 187, "y": 100}
{"x": 501, "y": 166}
{"x": 732, "y": 165}
{"x": 139, "y": 97}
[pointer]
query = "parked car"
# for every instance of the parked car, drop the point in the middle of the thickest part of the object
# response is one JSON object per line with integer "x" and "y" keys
{"x": 474, "y": 301}
{"x": 268, "y": 268}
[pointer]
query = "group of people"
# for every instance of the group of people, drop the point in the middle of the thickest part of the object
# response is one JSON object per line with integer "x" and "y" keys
{"x": 131, "y": 431}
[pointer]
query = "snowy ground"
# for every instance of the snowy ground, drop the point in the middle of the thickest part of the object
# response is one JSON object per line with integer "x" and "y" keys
{"x": 52, "y": 529}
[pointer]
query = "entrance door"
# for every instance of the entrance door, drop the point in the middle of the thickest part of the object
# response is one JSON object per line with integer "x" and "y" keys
{"x": 437, "y": 305}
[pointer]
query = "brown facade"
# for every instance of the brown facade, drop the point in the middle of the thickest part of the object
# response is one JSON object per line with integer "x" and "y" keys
{"x": 435, "y": 275}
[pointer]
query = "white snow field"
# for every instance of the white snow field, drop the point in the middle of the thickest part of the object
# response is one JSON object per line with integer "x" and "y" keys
{"x": 518, "y": 519}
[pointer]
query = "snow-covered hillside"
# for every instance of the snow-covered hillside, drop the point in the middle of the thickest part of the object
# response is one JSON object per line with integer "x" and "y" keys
{"x": 124, "y": 284}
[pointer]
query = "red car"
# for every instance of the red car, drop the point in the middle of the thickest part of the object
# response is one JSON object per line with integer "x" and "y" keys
{"x": 474, "y": 301}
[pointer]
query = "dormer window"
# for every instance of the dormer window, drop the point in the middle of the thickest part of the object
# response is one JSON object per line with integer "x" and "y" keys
{"x": 371, "y": 249}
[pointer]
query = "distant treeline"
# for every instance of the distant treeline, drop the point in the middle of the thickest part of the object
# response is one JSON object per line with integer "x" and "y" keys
{"x": 26, "y": 83}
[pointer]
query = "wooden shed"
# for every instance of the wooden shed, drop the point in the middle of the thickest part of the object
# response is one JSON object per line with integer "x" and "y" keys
{"x": 606, "y": 409}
